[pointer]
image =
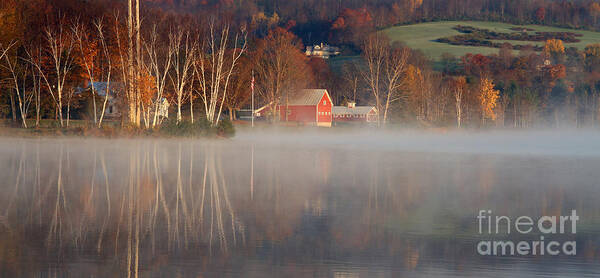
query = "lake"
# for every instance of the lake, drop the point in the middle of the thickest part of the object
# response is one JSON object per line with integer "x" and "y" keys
{"x": 284, "y": 204}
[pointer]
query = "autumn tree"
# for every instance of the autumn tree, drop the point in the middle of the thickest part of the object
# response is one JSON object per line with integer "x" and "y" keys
{"x": 594, "y": 11}
{"x": 351, "y": 26}
{"x": 552, "y": 73}
{"x": 540, "y": 14}
{"x": 86, "y": 56}
{"x": 554, "y": 48}
{"x": 477, "y": 64}
{"x": 488, "y": 97}
{"x": 413, "y": 5}
{"x": 592, "y": 57}
{"x": 240, "y": 87}
{"x": 281, "y": 67}
{"x": 147, "y": 87}
{"x": 11, "y": 23}
{"x": 416, "y": 83}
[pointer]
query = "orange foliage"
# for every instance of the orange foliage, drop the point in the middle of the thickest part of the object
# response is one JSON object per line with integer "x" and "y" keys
{"x": 87, "y": 56}
{"x": 488, "y": 98}
{"x": 147, "y": 84}
{"x": 9, "y": 21}
{"x": 540, "y": 14}
{"x": 414, "y": 5}
{"x": 595, "y": 8}
{"x": 556, "y": 71}
{"x": 554, "y": 47}
{"x": 350, "y": 18}
{"x": 413, "y": 77}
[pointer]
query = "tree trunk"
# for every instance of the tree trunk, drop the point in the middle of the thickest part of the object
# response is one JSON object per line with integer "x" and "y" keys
{"x": 13, "y": 108}
{"x": 68, "y": 112}
{"x": 458, "y": 113}
{"x": 138, "y": 45}
{"x": 191, "y": 109}
{"x": 37, "y": 109}
{"x": 60, "y": 115}
{"x": 94, "y": 100}
{"x": 178, "y": 109}
{"x": 130, "y": 71}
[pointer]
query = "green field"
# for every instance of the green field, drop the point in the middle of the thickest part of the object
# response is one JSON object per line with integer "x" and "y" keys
{"x": 421, "y": 36}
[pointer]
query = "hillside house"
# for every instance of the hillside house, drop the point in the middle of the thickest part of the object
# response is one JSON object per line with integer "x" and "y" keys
{"x": 322, "y": 51}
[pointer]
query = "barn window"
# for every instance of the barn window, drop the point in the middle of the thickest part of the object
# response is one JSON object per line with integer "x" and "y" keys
{"x": 324, "y": 102}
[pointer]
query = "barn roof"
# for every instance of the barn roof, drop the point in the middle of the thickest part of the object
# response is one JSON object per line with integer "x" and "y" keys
{"x": 358, "y": 110}
{"x": 308, "y": 97}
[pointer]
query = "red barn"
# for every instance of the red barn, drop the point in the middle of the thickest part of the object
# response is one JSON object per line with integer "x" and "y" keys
{"x": 308, "y": 107}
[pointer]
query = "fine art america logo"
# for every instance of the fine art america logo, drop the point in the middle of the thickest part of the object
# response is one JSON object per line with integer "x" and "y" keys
{"x": 546, "y": 226}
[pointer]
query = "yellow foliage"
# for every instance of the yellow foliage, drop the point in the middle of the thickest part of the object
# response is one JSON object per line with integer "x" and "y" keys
{"x": 488, "y": 98}
{"x": 413, "y": 77}
{"x": 554, "y": 46}
{"x": 260, "y": 17}
{"x": 595, "y": 8}
{"x": 415, "y": 4}
{"x": 592, "y": 50}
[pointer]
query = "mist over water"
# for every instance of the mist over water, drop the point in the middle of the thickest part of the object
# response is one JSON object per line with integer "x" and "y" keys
{"x": 295, "y": 204}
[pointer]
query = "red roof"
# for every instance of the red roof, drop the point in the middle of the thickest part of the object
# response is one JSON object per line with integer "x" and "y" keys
{"x": 308, "y": 97}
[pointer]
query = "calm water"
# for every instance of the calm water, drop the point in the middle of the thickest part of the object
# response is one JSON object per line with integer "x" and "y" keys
{"x": 293, "y": 205}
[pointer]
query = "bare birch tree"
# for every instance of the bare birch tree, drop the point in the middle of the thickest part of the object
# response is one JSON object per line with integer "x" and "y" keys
{"x": 395, "y": 67}
{"x": 460, "y": 85}
{"x": 17, "y": 76}
{"x": 59, "y": 48}
{"x": 87, "y": 48}
{"x": 159, "y": 59}
{"x": 105, "y": 51}
{"x": 37, "y": 91}
{"x": 183, "y": 49}
{"x": 214, "y": 68}
{"x": 375, "y": 50}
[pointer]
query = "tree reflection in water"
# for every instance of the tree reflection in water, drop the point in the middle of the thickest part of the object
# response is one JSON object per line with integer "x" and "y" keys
{"x": 72, "y": 207}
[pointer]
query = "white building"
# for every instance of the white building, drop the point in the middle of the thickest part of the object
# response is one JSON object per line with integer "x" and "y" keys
{"x": 323, "y": 51}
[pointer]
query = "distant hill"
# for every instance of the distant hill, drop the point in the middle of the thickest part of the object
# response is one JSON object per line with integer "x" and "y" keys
{"x": 422, "y": 36}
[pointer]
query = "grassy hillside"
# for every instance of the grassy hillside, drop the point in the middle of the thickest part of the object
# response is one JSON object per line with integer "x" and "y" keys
{"x": 422, "y": 36}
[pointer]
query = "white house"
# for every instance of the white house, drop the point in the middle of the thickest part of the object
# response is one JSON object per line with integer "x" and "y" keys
{"x": 323, "y": 51}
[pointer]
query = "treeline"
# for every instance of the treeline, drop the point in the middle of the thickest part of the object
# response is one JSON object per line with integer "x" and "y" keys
{"x": 339, "y": 21}
{"x": 205, "y": 66}
{"x": 143, "y": 56}
{"x": 558, "y": 87}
